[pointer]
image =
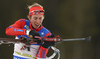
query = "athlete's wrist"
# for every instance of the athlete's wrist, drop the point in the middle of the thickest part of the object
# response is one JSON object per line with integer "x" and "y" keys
{"x": 27, "y": 31}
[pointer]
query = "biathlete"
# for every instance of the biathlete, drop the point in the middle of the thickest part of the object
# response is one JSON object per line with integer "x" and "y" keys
{"x": 34, "y": 27}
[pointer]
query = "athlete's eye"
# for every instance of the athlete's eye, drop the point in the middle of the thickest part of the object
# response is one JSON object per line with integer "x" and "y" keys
{"x": 40, "y": 18}
{"x": 35, "y": 18}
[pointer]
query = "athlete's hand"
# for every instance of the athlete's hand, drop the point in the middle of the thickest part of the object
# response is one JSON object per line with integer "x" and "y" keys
{"x": 49, "y": 43}
{"x": 33, "y": 33}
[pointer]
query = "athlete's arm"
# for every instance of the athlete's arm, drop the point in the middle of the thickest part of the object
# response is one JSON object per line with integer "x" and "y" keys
{"x": 44, "y": 50}
{"x": 16, "y": 28}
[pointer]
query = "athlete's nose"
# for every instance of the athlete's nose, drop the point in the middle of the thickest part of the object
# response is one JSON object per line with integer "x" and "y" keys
{"x": 38, "y": 21}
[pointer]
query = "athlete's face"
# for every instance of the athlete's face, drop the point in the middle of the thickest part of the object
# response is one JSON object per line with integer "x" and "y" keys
{"x": 36, "y": 20}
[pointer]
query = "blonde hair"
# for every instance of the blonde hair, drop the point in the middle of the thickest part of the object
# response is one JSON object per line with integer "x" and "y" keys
{"x": 34, "y": 4}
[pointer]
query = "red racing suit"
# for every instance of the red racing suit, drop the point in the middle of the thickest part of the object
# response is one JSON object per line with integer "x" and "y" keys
{"x": 31, "y": 51}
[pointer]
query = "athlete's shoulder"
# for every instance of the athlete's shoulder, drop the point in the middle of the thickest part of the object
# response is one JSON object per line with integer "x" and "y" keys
{"x": 44, "y": 32}
{"x": 23, "y": 20}
{"x": 45, "y": 29}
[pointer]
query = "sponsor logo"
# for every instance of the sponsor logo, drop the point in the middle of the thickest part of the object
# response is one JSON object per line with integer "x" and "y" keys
{"x": 18, "y": 30}
{"x": 23, "y": 54}
{"x": 42, "y": 33}
{"x": 27, "y": 27}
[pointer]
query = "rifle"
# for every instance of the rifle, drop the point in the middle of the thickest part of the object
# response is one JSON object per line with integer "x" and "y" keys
{"x": 27, "y": 41}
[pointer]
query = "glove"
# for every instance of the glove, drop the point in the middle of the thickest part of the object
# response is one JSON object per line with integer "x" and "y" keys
{"x": 48, "y": 43}
{"x": 34, "y": 33}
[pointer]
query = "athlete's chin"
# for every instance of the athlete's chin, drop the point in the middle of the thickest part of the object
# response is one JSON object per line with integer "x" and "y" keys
{"x": 36, "y": 27}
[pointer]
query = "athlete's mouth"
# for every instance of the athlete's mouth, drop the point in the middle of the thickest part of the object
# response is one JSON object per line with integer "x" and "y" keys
{"x": 37, "y": 25}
